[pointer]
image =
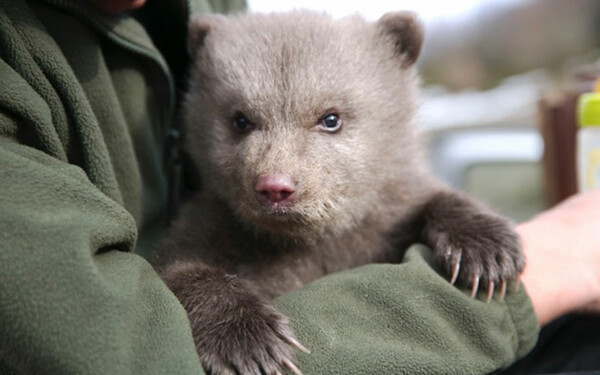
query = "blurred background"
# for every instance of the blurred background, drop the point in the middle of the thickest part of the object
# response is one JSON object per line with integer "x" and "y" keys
{"x": 501, "y": 80}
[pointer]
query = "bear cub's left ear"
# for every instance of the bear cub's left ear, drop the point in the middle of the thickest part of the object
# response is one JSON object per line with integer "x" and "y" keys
{"x": 406, "y": 32}
{"x": 199, "y": 26}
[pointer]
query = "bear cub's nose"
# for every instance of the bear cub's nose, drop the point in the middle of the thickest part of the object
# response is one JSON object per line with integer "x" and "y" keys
{"x": 275, "y": 188}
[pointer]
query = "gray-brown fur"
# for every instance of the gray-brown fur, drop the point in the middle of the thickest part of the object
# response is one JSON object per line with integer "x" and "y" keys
{"x": 360, "y": 194}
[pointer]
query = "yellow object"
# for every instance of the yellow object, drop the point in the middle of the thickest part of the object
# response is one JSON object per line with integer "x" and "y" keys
{"x": 588, "y": 107}
{"x": 588, "y": 140}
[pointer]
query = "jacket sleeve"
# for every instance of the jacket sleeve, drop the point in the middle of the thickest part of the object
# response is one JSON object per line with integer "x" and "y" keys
{"x": 73, "y": 299}
{"x": 406, "y": 319}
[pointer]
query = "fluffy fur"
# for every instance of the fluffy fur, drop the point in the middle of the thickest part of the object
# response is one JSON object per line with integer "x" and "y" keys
{"x": 361, "y": 194}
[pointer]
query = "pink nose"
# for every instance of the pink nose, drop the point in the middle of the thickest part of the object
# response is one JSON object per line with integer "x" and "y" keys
{"x": 275, "y": 188}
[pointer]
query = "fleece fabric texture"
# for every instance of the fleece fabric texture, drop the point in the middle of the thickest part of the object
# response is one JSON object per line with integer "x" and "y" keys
{"x": 85, "y": 103}
{"x": 406, "y": 319}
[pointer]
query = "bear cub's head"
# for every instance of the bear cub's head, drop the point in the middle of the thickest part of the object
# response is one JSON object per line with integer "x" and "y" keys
{"x": 302, "y": 124}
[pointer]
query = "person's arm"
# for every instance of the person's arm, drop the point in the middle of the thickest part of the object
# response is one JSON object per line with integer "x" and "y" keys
{"x": 73, "y": 299}
{"x": 406, "y": 318}
{"x": 562, "y": 246}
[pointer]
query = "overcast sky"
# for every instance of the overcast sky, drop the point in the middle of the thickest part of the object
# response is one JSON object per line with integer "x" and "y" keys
{"x": 429, "y": 10}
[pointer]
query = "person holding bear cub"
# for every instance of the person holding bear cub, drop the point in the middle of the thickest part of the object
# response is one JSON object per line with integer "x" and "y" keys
{"x": 85, "y": 102}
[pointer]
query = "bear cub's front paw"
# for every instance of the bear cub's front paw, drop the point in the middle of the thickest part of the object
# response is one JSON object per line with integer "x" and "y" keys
{"x": 485, "y": 251}
{"x": 235, "y": 330}
{"x": 473, "y": 245}
{"x": 251, "y": 338}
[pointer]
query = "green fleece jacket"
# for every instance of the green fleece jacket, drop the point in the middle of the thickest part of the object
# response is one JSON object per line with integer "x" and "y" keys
{"x": 85, "y": 105}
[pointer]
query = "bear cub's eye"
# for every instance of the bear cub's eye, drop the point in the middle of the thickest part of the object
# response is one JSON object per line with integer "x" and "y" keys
{"x": 241, "y": 123}
{"x": 330, "y": 123}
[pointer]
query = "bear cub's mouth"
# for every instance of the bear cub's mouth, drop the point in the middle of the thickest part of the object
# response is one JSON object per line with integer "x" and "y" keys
{"x": 282, "y": 210}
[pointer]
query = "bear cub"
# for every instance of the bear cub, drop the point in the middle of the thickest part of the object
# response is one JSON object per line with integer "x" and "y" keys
{"x": 303, "y": 131}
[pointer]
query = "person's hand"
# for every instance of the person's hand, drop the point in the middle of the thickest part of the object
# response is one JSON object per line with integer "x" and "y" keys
{"x": 562, "y": 246}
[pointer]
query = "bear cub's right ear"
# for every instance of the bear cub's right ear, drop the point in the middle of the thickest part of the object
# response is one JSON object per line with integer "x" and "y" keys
{"x": 198, "y": 27}
{"x": 406, "y": 33}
